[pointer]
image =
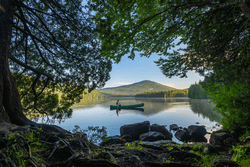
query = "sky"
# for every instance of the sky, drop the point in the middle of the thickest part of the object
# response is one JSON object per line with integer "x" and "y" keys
{"x": 142, "y": 68}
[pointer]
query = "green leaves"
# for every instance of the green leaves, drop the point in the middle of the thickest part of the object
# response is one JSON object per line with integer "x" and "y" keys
{"x": 153, "y": 26}
{"x": 94, "y": 134}
{"x": 58, "y": 41}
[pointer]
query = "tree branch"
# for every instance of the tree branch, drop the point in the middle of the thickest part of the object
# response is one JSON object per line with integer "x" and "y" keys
{"x": 33, "y": 88}
{"x": 28, "y": 67}
{"x": 33, "y": 39}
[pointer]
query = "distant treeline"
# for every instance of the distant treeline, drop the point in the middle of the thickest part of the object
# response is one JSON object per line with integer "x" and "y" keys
{"x": 93, "y": 97}
{"x": 196, "y": 91}
{"x": 164, "y": 94}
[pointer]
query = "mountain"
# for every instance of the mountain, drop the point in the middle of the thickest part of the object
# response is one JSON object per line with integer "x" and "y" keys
{"x": 135, "y": 88}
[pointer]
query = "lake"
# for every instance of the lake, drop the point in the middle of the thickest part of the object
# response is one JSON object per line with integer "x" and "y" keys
{"x": 180, "y": 111}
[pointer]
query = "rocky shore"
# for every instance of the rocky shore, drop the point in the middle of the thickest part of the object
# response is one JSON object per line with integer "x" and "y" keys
{"x": 139, "y": 144}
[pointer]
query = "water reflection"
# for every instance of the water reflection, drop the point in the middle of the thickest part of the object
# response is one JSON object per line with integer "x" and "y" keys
{"x": 205, "y": 109}
{"x": 154, "y": 108}
{"x": 52, "y": 119}
{"x": 128, "y": 109}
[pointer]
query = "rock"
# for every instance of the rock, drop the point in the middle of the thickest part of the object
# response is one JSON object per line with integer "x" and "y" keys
{"x": 79, "y": 162}
{"x": 229, "y": 141}
{"x": 209, "y": 149}
{"x": 197, "y": 123}
{"x": 197, "y": 131}
{"x": 218, "y": 137}
{"x": 159, "y": 142}
{"x": 186, "y": 129}
{"x": 201, "y": 139}
{"x": 2, "y": 155}
{"x": 217, "y": 124}
{"x": 246, "y": 140}
{"x": 42, "y": 165}
{"x": 4, "y": 143}
{"x": 223, "y": 162}
{"x": 183, "y": 156}
{"x": 151, "y": 136}
{"x": 182, "y": 135}
{"x": 134, "y": 158}
{"x": 105, "y": 155}
{"x": 135, "y": 130}
{"x": 173, "y": 127}
{"x": 60, "y": 154}
{"x": 158, "y": 128}
{"x": 7, "y": 162}
{"x": 128, "y": 138}
{"x": 167, "y": 164}
{"x": 112, "y": 140}
{"x": 151, "y": 147}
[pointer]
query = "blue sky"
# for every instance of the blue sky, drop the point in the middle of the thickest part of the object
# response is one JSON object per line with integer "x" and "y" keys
{"x": 142, "y": 68}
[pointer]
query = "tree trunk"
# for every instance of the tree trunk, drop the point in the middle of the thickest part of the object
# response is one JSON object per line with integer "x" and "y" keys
{"x": 10, "y": 103}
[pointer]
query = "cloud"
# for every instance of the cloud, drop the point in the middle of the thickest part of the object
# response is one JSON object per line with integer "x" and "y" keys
{"x": 179, "y": 37}
{"x": 122, "y": 83}
{"x": 170, "y": 85}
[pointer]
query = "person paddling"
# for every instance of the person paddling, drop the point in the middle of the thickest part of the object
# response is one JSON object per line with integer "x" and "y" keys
{"x": 118, "y": 103}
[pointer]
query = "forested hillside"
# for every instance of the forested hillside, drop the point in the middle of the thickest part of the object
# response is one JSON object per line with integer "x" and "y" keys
{"x": 91, "y": 98}
{"x": 137, "y": 88}
{"x": 165, "y": 94}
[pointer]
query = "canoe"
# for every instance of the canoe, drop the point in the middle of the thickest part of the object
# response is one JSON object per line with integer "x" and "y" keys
{"x": 136, "y": 109}
{"x": 127, "y": 106}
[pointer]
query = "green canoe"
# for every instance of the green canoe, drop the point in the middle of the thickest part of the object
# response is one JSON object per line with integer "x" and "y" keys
{"x": 128, "y": 106}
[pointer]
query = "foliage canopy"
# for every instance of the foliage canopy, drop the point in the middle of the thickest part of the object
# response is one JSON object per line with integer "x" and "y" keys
{"x": 54, "y": 54}
{"x": 215, "y": 32}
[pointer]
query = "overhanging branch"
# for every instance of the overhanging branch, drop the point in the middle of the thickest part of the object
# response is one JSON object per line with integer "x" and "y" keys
{"x": 28, "y": 67}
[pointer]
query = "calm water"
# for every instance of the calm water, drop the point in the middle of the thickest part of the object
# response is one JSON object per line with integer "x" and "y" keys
{"x": 180, "y": 111}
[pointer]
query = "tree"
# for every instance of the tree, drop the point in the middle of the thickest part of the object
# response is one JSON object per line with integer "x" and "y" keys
{"x": 49, "y": 53}
{"x": 195, "y": 91}
{"x": 211, "y": 37}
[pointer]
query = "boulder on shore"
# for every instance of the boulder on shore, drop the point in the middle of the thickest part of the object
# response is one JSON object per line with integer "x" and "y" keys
{"x": 112, "y": 140}
{"x": 160, "y": 128}
{"x": 173, "y": 127}
{"x": 128, "y": 138}
{"x": 221, "y": 137}
{"x": 197, "y": 131}
{"x": 135, "y": 130}
{"x": 182, "y": 135}
{"x": 152, "y": 136}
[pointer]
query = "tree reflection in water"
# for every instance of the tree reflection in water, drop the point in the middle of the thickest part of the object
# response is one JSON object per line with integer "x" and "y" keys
{"x": 51, "y": 119}
{"x": 204, "y": 108}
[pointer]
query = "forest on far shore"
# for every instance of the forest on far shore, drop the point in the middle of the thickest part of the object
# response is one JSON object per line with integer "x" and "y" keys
{"x": 195, "y": 91}
{"x": 165, "y": 94}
